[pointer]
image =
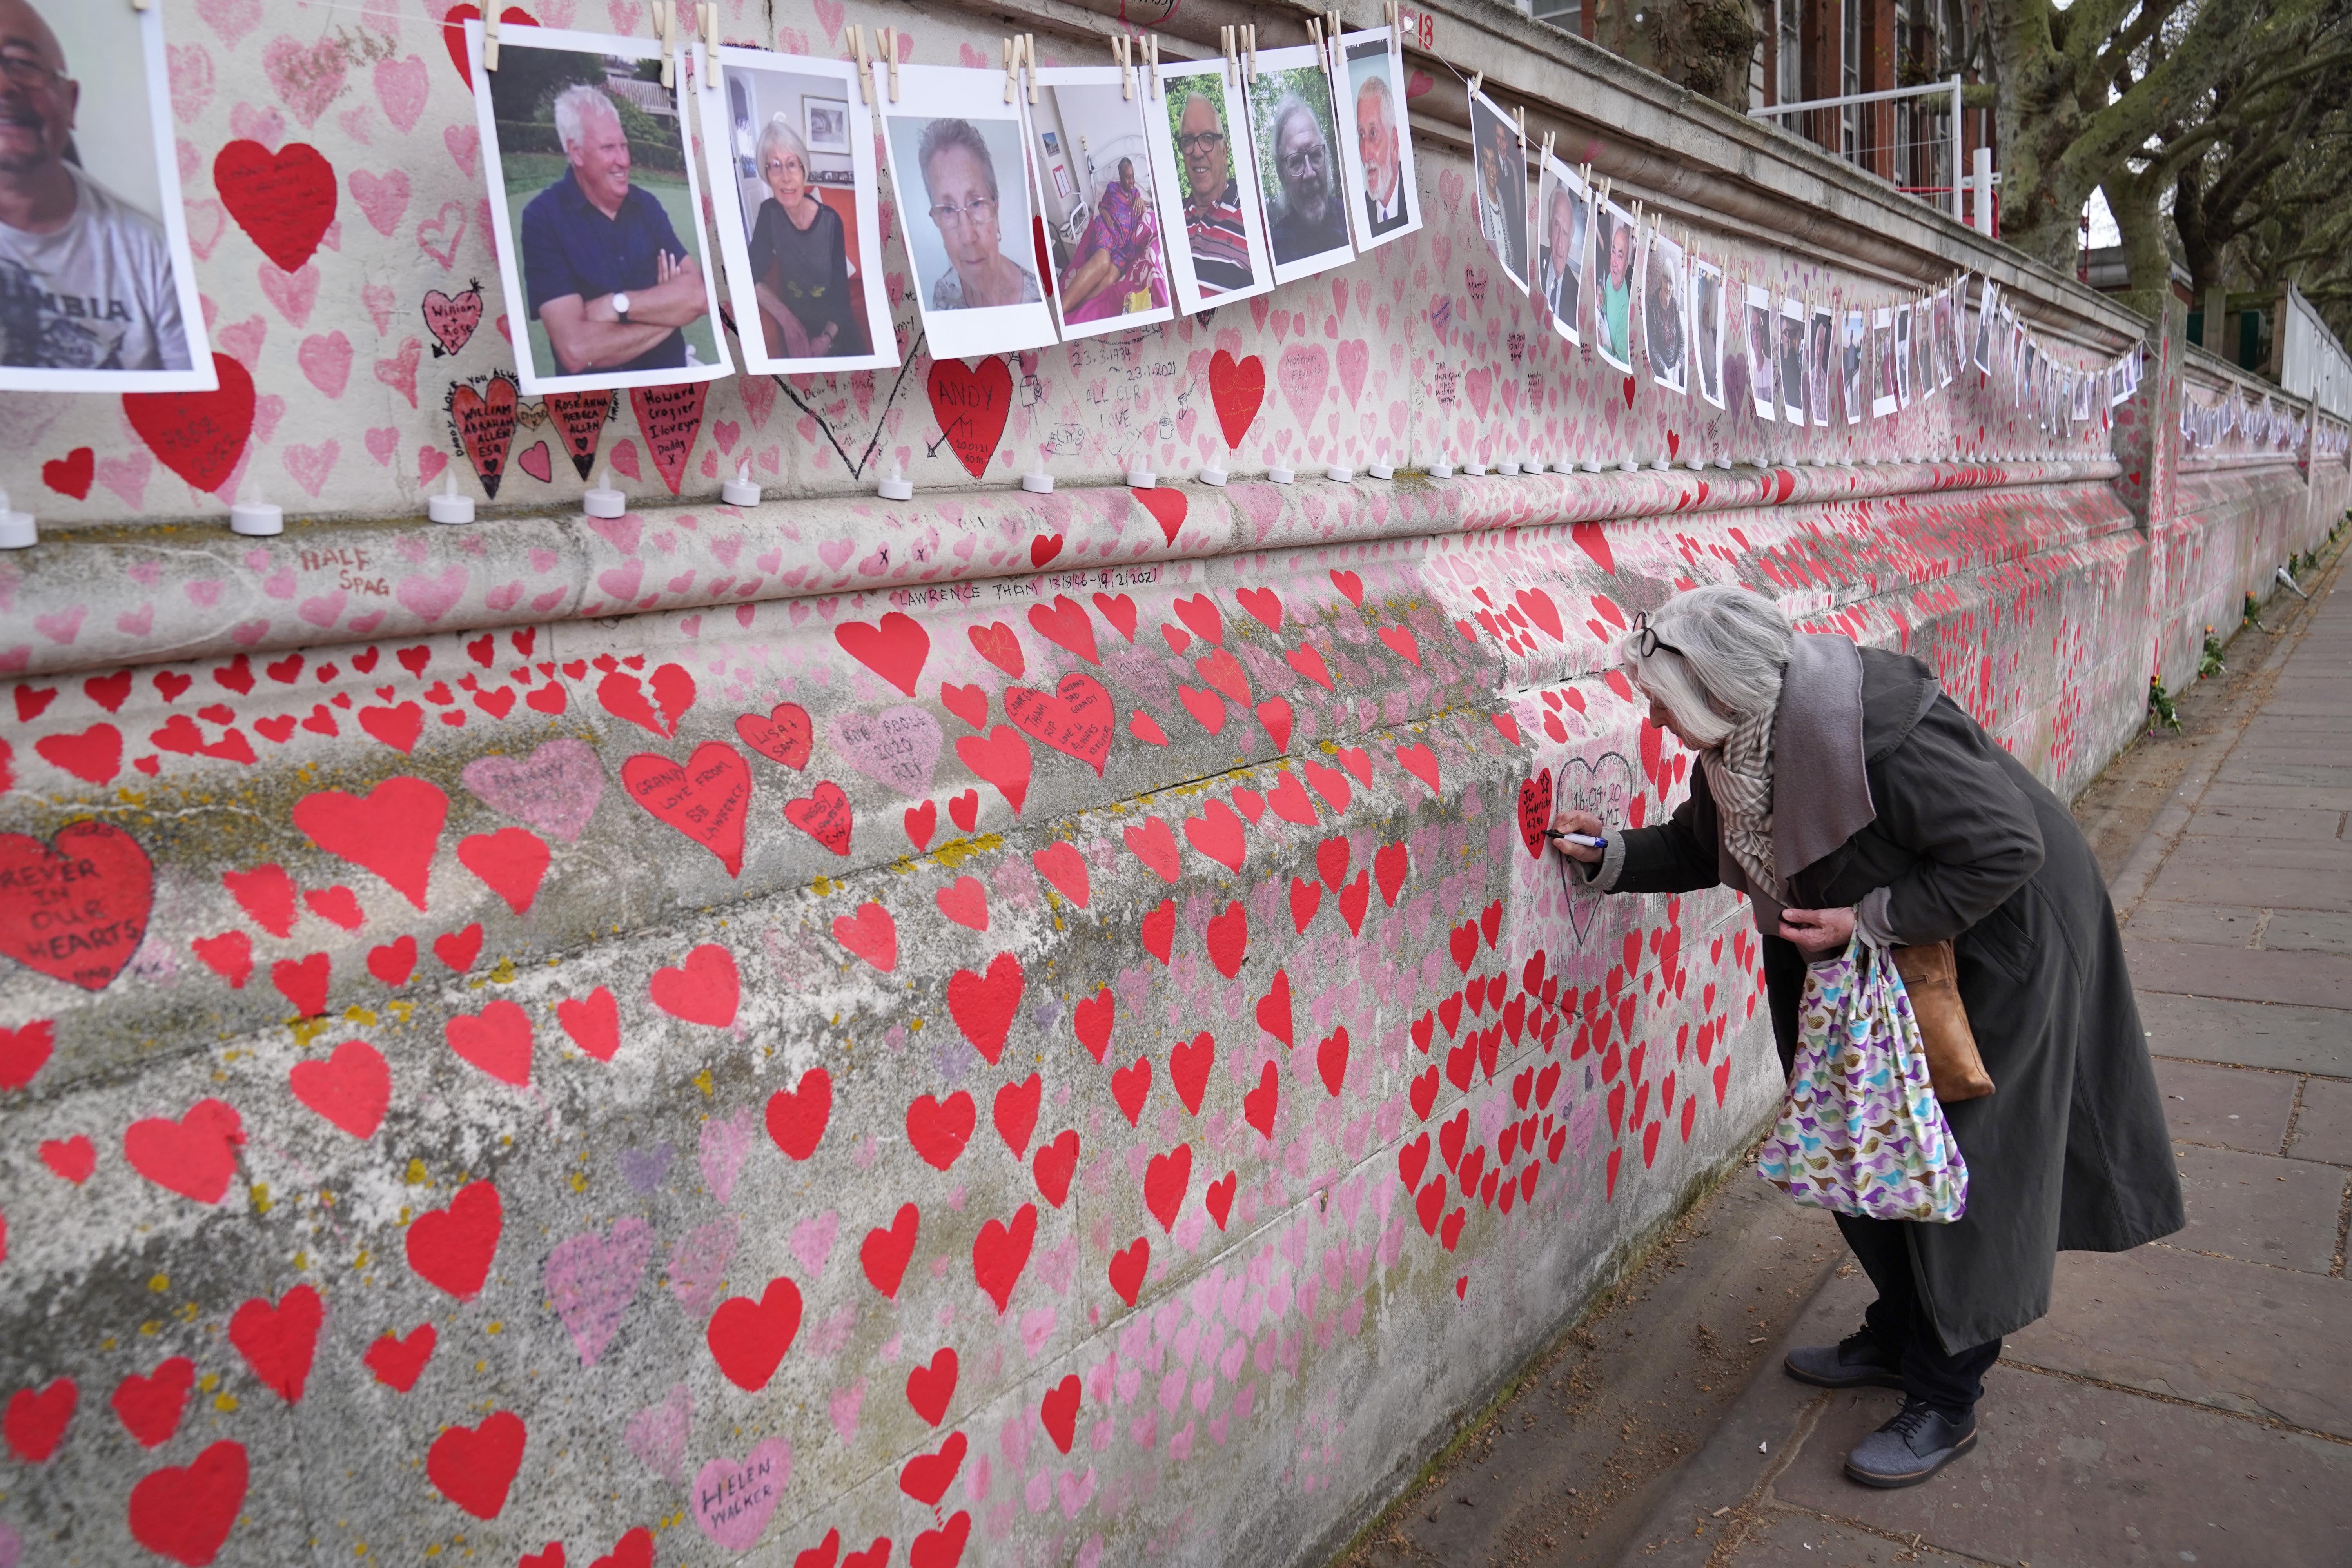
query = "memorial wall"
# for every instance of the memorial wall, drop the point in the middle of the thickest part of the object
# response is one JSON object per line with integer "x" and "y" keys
{"x": 601, "y": 1032}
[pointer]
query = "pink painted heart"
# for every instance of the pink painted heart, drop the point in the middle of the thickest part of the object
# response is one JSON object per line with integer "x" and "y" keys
{"x": 555, "y": 789}
{"x": 898, "y": 748}
{"x": 536, "y": 461}
{"x": 592, "y": 1279}
{"x": 657, "y": 1433}
{"x": 733, "y": 1502}
{"x": 399, "y": 88}
{"x": 726, "y": 1141}
{"x": 309, "y": 77}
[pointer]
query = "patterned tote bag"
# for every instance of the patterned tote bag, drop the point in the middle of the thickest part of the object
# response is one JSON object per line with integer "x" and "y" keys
{"x": 1862, "y": 1132}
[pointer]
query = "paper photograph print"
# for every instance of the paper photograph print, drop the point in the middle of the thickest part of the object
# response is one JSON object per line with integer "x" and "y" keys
{"x": 97, "y": 292}
{"x": 1707, "y": 316}
{"x": 1375, "y": 148}
{"x": 1098, "y": 191}
{"x": 1563, "y": 224}
{"x": 1616, "y": 251}
{"x": 959, "y": 161}
{"x": 1951, "y": 332}
{"x": 1792, "y": 345}
{"x": 1857, "y": 332}
{"x": 1883, "y": 400}
{"x": 1499, "y": 158}
{"x": 1821, "y": 335}
{"x": 596, "y": 212}
{"x": 796, "y": 199}
{"x": 1903, "y": 356}
{"x": 1206, "y": 181}
{"x": 1665, "y": 313}
{"x": 1295, "y": 133}
{"x": 1762, "y": 345}
{"x": 1929, "y": 335}
{"x": 1989, "y": 293}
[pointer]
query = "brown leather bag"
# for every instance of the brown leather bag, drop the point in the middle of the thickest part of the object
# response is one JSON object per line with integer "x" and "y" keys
{"x": 1932, "y": 977}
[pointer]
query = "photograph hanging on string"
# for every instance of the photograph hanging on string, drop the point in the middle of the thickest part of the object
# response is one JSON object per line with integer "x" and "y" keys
{"x": 1498, "y": 158}
{"x": 960, "y": 164}
{"x": 1882, "y": 399}
{"x": 791, "y": 140}
{"x": 1949, "y": 308}
{"x": 1990, "y": 292}
{"x": 1903, "y": 351}
{"x": 1204, "y": 175}
{"x": 1857, "y": 332}
{"x": 1761, "y": 353}
{"x": 1820, "y": 343}
{"x": 1616, "y": 249}
{"x": 1665, "y": 311}
{"x": 1100, "y": 193}
{"x": 1708, "y": 293}
{"x": 1563, "y": 227}
{"x": 1793, "y": 361}
{"x": 597, "y": 213}
{"x": 1295, "y": 132}
{"x": 97, "y": 289}
{"x": 1375, "y": 147}
{"x": 1925, "y": 343}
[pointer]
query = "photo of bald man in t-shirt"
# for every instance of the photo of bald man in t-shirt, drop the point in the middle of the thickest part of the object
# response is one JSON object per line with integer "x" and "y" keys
{"x": 86, "y": 277}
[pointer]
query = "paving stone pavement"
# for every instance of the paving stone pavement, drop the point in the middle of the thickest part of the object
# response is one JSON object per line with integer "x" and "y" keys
{"x": 2190, "y": 1401}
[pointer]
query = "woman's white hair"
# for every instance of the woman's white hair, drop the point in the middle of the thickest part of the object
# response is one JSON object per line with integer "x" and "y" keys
{"x": 1721, "y": 651}
{"x": 779, "y": 133}
{"x": 573, "y": 108}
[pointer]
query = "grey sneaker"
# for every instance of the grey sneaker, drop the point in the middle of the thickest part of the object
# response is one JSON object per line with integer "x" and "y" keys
{"x": 1917, "y": 1443}
{"x": 1854, "y": 1362}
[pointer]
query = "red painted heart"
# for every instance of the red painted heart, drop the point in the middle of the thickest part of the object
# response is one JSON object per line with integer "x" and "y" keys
{"x": 199, "y": 435}
{"x": 78, "y": 904}
{"x": 972, "y": 408}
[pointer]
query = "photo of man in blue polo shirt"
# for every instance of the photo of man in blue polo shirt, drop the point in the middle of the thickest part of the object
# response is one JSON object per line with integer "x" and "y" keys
{"x": 603, "y": 267}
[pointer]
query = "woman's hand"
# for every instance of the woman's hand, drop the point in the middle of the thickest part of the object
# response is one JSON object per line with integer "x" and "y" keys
{"x": 1817, "y": 931}
{"x": 1570, "y": 820}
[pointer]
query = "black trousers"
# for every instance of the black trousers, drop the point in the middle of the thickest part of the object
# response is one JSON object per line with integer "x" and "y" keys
{"x": 1905, "y": 1328}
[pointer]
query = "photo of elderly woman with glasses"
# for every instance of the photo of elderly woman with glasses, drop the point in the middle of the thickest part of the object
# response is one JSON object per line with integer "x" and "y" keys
{"x": 800, "y": 256}
{"x": 960, "y": 166}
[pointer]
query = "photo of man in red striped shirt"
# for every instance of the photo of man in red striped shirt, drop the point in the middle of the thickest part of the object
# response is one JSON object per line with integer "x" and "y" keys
{"x": 1213, "y": 202}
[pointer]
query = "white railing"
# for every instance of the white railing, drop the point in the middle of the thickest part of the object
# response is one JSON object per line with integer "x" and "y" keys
{"x": 1944, "y": 175}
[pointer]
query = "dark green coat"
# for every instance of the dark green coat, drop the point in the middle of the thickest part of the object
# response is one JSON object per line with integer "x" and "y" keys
{"x": 2071, "y": 1150}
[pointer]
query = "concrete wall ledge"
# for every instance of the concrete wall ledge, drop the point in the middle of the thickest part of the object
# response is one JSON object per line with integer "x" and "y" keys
{"x": 200, "y": 591}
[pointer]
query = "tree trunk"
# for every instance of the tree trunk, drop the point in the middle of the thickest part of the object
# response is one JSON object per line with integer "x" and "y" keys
{"x": 2041, "y": 210}
{"x": 2132, "y": 200}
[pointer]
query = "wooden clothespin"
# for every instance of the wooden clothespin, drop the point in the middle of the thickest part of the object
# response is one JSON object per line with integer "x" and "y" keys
{"x": 1249, "y": 52}
{"x": 1150, "y": 66}
{"x": 142, "y": 5}
{"x": 707, "y": 22}
{"x": 1333, "y": 26}
{"x": 865, "y": 71}
{"x": 1029, "y": 54}
{"x": 1119, "y": 47}
{"x": 1012, "y": 68}
{"x": 1314, "y": 37}
{"x": 1477, "y": 77}
{"x": 1226, "y": 38}
{"x": 1520, "y": 113}
{"x": 887, "y": 38}
{"x": 1396, "y": 24}
{"x": 1547, "y": 149}
{"x": 665, "y": 26}
{"x": 490, "y": 38}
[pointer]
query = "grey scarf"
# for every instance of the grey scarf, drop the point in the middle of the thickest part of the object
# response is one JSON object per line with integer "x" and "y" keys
{"x": 1790, "y": 783}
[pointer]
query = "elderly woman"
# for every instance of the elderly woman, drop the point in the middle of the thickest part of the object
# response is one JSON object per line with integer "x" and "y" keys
{"x": 960, "y": 178}
{"x": 1116, "y": 269}
{"x": 800, "y": 257}
{"x": 1616, "y": 307}
{"x": 1850, "y": 799}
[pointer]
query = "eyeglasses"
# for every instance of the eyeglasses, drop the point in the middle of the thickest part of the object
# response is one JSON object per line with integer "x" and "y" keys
{"x": 26, "y": 70}
{"x": 1201, "y": 143}
{"x": 1646, "y": 641}
{"x": 974, "y": 213}
{"x": 1306, "y": 158}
